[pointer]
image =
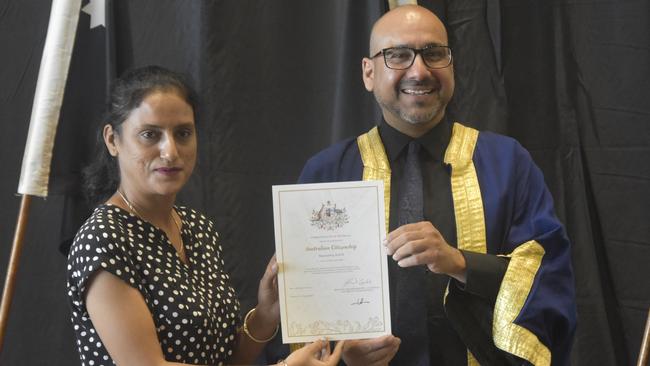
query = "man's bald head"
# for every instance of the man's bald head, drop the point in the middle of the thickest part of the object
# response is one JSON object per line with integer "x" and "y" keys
{"x": 405, "y": 15}
{"x": 413, "y": 98}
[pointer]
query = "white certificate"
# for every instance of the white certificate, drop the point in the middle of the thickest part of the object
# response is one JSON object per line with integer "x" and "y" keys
{"x": 333, "y": 271}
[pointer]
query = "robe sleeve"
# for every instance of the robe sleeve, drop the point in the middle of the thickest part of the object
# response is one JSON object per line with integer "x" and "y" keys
{"x": 533, "y": 318}
{"x": 535, "y": 312}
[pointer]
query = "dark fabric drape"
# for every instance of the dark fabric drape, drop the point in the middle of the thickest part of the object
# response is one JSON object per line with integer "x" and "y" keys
{"x": 573, "y": 89}
{"x": 281, "y": 80}
{"x": 278, "y": 83}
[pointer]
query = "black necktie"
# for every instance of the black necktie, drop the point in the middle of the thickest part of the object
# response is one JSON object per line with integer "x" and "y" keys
{"x": 410, "y": 313}
{"x": 410, "y": 187}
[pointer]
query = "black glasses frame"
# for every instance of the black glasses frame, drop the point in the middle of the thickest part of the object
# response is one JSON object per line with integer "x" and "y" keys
{"x": 416, "y": 51}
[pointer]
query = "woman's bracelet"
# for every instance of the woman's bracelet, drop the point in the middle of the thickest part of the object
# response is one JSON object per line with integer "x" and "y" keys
{"x": 248, "y": 333}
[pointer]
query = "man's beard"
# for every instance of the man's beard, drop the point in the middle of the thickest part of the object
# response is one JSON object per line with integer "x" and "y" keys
{"x": 418, "y": 117}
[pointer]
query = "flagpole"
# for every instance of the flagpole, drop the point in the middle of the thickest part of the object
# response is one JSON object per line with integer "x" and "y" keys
{"x": 12, "y": 269}
{"x": 35, "y": 172}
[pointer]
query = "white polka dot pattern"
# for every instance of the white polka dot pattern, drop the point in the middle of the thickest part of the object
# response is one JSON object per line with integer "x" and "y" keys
{"x": 193, "y": 306}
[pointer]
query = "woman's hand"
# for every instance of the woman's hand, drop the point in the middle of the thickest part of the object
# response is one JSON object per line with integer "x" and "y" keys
{"x": 315, "y": 354}
{"x": 267, "y": 311}
{"x": 261, "y": 323}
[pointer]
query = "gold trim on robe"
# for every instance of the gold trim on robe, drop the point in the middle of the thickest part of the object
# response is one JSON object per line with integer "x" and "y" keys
{"x": 471, "y": 361}
{"x": 375, "y": 164}
{"x": 525, "y": 261}
{"x": 465, "y": 190}
{"x": 471, "y": 236}
{"x": 466, "y": 194}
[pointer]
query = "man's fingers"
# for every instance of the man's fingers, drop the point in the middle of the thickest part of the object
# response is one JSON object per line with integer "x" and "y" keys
{"x": 333, "y": 358}
{"x": 336, "y": 355}
{"x": 376, "y": 344}
{"x": 412, "y": 247}
{"x": 393, "y": 235}
{"x": 402, "y": 240}
{"x": 371, "y": 352}
{"x": 408, "y": 233}
{"x": 385, "y": 353}
{"x": 383, "y": 356}
{"x": 413, "y": 260}
{"x": 421, "y": 251}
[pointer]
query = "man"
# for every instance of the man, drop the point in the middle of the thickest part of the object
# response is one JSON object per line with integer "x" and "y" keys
{"x": 479, "y": 265}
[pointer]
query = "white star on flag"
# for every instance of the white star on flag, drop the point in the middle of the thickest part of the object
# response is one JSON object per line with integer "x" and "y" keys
{"x": 97, "y": 11}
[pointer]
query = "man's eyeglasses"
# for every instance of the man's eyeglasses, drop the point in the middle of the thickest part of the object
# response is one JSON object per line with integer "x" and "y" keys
{"x": 401, "y": 58}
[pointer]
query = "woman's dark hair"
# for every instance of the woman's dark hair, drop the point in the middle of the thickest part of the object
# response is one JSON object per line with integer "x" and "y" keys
{"x": 102, "y": 176}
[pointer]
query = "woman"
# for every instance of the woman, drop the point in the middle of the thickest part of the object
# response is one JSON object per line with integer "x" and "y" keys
{"x": 145, "y": 277}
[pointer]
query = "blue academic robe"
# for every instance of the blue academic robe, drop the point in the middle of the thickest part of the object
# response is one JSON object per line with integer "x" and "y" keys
{"x": 502, "y": 207}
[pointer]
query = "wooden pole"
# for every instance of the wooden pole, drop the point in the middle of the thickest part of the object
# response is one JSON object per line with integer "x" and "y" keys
{"x": 644, "y": 353}
{"x": 12, "y": 269}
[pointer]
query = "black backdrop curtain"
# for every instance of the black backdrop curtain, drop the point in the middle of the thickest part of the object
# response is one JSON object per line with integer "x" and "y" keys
{"x": 281, "y": 80}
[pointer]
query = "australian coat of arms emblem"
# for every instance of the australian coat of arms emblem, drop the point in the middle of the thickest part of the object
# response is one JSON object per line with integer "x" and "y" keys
{"x": 329, "y": 217}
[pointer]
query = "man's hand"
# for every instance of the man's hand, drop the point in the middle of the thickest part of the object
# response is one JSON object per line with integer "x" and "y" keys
{"x": 421, "y": 243}
{"x": 370, "y": 352}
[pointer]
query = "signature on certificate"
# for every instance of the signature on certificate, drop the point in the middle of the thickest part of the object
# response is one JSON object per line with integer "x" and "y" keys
{"x": 355, "y": 281}
{"x": 360, "y": 301}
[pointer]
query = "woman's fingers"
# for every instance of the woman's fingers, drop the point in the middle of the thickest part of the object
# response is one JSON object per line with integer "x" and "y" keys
{"x": 334, "y": 358}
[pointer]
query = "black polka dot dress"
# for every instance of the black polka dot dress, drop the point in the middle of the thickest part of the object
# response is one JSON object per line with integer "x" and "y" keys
{"x": 193, "y": 306}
